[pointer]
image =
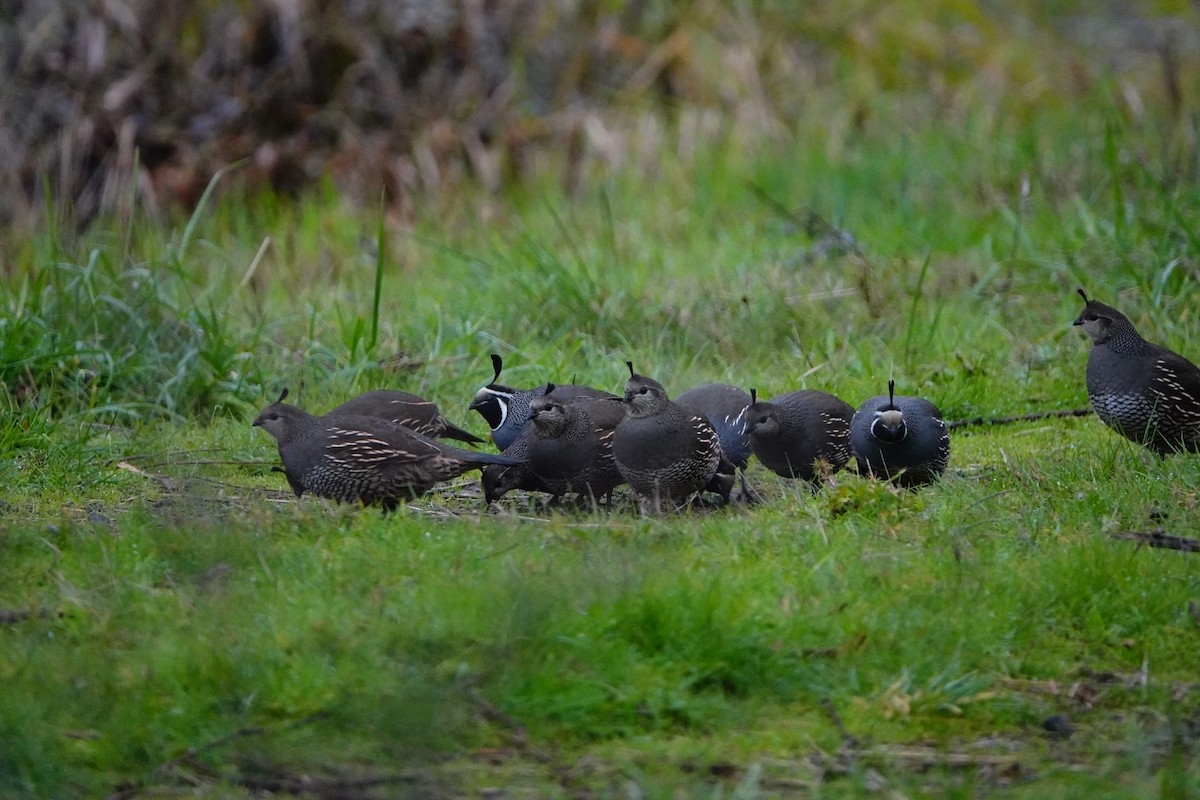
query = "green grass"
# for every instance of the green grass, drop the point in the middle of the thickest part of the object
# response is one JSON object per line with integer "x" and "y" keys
{"x": 204, "y": 633}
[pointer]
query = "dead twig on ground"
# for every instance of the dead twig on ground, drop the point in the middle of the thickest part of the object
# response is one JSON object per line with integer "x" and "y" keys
{"x": 1159, "y": 538}
{"x": 1034, "y": 415}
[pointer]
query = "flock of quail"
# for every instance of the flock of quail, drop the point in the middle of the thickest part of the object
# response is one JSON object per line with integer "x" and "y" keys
{"x": 383, "y": 447}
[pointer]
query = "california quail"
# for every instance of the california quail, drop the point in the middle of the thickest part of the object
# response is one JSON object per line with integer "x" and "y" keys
{"x": 900, "y": 438}
{"x": 803, "y": 434}
{"x": 498, "y": 480}
{"x": 405, "y": 409}
{"x": 724, "y": 407}
{"x": 664, "y": 452}
{"x": 372, "y": 460}
{"x": 571, "y": 443}
{"x": 506, "y": 410}
{"x": 1143, "y": 391}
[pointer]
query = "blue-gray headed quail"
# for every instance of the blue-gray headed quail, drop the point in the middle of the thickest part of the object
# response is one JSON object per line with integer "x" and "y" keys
{"x": 900, "y": 438}
{"x": 506, "y": 410}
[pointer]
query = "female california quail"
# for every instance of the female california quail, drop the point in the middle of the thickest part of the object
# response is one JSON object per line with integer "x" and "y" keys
{"x": 506, "y": 409}
{"x": 498, "y": 480}
{"x": 724, "y": 407}
{"x": 372, "y": 460}
{"x": 803, "y": 434}
{"x": 902, "y": 439}
{"x": 571, "y": 443}
{"x": 405, "y": 409}
{"x": 1143, "y": 391}
{"x": 664, "y": 452}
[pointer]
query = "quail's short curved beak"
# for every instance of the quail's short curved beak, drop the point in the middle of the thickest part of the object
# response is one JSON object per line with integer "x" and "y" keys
{"x": 257, "y": 421}
{"x": 628, "y": 398}
{"x": 1078, "y": 320}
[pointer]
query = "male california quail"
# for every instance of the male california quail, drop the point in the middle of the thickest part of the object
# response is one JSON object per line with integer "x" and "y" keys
{"x": 664, "y": 452}
{"x": 372, "y": 460}
{"x": 571, "y": 443}
{"x": 803, "y": 434}
{"x": 724, "y": 407}
{"x": 405, "y": 409}
{"x": 506, "y": 409}
{"x": 900, "y": 438}
{"x": 1143, "y": 391}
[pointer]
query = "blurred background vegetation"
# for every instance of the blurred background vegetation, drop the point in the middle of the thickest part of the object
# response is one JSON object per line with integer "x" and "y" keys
{"x": 411, "y": 97}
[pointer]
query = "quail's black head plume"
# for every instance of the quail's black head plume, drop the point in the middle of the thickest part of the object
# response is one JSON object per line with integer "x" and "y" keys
{"x": 900, "y": 438}
{"x": 664, "y": 452}
{"x": 803, "y": 434}
{"x": 1143, "y": 391}
{"x": 372, "y": 460}
{"x": 404, "y": 409}
{"x": 506, "y": 409}
{"x": 571, "y": 443}
{"x": 724, "y": 407}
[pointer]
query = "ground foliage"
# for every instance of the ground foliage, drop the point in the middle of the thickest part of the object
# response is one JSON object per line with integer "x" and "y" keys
{"x": 824, "y": 200}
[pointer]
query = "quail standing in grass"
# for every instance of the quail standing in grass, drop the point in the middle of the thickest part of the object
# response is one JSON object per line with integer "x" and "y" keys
{"x": 664, "y": 452}
{"x": 900, "y": 438}
{"x": 506, "y": 409}
{"x": 571, "y": 443}
{"x": 368, "y": 459}
{"x": 498, "y": 480}
{"x": 1143, "y": 391}
{"x": 803, "y": 434}
{"x": 402, "y": 408}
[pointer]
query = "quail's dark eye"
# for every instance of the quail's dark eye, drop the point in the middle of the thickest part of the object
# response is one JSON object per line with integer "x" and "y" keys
{"x": 644, "y": 390}
{"x": 273, "y": 416}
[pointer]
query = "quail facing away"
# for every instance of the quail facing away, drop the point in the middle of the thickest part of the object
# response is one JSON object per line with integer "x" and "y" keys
{"x": 724, "y": 407}
{"x": 498, "y": 480}
{"x": 405, "y": 409}
{"x": 1141, "y": 390}
{"x": 372, "y": 460}
{"x": 900, "y": 438}
{"x": 803, "y": 434}
{"x": 571, "y": 443}
{"x": 664, "y": 452}
{"x": 506, "y": 409}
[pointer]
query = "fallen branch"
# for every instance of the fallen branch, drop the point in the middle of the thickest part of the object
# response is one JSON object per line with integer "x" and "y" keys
{"x": 1159, "y": 539}
{"x": 1035, "y": 415}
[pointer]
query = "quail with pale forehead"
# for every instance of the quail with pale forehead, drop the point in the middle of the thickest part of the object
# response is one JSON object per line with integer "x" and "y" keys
{"x": 506, "y": 410}
{"x": 900, "y": 438}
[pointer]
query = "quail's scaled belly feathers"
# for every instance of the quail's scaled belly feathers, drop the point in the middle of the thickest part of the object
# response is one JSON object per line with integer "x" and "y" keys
{"x": 664, "y": 452}
{"x": 571, "y": 443}
{"x": 802, "y": 434}
{"x": 356, "y": 458}
{"x": 1143, "y": 391}
{"x": 900, "y": 438}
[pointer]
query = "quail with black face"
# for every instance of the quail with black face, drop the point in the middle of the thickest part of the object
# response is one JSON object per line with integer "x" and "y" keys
{"x": 506, "y": 410}
{"x": 1143, "y": 391}
{"x": 903, "y": 439}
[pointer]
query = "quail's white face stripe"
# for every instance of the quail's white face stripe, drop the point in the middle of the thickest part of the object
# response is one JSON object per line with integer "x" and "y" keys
{"x": 502, "y": 399}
